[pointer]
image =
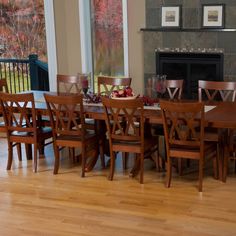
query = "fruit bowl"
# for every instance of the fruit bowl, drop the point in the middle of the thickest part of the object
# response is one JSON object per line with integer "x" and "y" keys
{"x": 124, "y": 98}
{"x": 125, "y": 94}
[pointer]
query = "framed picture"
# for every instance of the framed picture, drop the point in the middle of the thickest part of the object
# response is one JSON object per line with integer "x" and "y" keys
{"x": 171, "y": 16}
{"x": 213, "y": 16}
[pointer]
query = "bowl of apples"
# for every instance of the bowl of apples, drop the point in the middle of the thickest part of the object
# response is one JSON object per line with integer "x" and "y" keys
{"x": 124, "y": 94}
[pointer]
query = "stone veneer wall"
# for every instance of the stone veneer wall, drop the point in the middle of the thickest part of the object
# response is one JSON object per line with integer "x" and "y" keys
{"x": 191, "y": 18}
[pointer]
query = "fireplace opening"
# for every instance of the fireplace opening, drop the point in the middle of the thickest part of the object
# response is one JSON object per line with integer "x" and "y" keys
{"x": 190, "y": 67}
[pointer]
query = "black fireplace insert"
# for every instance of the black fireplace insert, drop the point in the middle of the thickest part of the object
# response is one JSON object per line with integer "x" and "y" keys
{"x": 191, "y": 67}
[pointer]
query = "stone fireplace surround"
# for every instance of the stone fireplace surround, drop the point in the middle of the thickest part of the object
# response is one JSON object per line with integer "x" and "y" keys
{"x": 190, "y": 38}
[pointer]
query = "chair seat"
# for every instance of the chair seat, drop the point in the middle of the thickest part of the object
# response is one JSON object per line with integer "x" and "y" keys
{"x": 41, "y": 131}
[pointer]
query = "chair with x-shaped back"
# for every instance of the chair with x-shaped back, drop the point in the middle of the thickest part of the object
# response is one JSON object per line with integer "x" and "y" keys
{"x": 174, "y": 88}
{"x": 125, "y": 124}
{"x": 106, "y": 85}
{"x": 184, "y": 134}
{"x": 68, "y": 124}
{"x": 218, "y": 91}
{"x": 21, "y": 124}
{"x": 68, "y": 84}
{"x": 4, "y": 88}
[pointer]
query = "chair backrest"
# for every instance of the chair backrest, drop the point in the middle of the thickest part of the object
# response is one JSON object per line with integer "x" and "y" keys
{"x": 216, "y": 90}
{"x": 183, "y": 123}
{"x": 66, "y": 115}
{"x": 19, "y": 112}
{"x": 3, "y": 86}
{"x": 108, "y": 84}
{"x": 174, "y": 88}
{"x": 69, "y": 84}
{"x": 124, "y": 120}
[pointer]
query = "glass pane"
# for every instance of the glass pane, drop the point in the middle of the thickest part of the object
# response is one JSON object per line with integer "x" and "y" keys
{"x": 22, "y": 28}
{"x": 107, "y": 38}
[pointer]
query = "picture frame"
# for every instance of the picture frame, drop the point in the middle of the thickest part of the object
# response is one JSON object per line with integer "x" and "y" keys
{"x": 171, "y": 16}
{"x": 213, "y": 16}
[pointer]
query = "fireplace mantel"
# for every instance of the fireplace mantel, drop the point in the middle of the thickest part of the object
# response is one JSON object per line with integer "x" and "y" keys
{"x": 187, "y": 30}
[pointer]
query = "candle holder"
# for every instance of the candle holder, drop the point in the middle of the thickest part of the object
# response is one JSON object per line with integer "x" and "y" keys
{"x": 160, "y": 85}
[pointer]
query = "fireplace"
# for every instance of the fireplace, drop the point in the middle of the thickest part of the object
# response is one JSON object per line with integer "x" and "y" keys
{"x": 191, "y": 67}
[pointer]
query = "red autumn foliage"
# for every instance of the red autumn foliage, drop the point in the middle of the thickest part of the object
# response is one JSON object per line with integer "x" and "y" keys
{"x": 22, "y": 27}
{"x": 108, "y": 37}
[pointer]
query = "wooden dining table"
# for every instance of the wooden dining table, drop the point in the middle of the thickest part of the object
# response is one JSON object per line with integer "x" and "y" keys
{"x": 221, "y": 115}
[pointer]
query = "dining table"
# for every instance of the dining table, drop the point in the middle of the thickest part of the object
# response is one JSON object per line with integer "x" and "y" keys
{"x": 220, "y": 115}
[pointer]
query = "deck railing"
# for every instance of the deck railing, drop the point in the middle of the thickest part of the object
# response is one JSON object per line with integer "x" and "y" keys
{"x": 24, "y": 74}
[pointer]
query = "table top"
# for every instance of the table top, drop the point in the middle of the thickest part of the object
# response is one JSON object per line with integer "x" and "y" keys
{"x": 222, "y": 115}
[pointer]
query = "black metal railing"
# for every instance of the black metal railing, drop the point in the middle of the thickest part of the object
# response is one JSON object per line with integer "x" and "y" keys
{"x": 24, "y": 74}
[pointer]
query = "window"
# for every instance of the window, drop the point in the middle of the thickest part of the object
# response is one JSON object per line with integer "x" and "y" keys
{"x": 22, "y": 29}
{"x": 104, "y": 37}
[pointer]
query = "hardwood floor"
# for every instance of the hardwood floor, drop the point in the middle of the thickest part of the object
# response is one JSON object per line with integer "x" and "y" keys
{"x": 66, "y": 204}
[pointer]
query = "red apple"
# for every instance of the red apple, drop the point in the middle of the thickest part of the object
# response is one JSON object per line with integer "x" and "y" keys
{"x": 121, "y": 93}
{"x": 129, "y": 91}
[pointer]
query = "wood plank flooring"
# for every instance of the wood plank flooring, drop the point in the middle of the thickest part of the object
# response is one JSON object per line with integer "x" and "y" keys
{"x": 66, "y": 204}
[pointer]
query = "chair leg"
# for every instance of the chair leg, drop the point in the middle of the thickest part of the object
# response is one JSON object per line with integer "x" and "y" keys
{"x": 180, "y": 166}
{"x": 41, "y": 146}
{"x": 35, "y": 158}
{"x": 169, "y": 172}
{"x": 83, "y": 162}
{"x": 124, "y": 160}
{"x": 112, "y": 166}
{"x": 57, "y": 159}
{"x": 200, "y": 175}
{"x": 101, "y": 151}
{"x": 10, "y": 156}
{"x": 221, "y": 162}
{"x": 28, "y": 150}
{"x": 234, "y": 165}
{"x": 72, "y": 154}
{"x": 19, "y": 153}
{"x": 157, "y": 161}
{"x": 141, "y": 168}
{"x": 225, "y": 164}
{"x": 216, "y": 166}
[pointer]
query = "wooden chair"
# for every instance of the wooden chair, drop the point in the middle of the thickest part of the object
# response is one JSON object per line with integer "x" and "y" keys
{"x": 4, "y": 89}
{"x": 21, "y": 124}
{"x": 215, "y": 91}
{"x": 230, "y": 153}
{"x": 184, "y": 134}
{"x": 69, "y": 84}
{"x": 128, "y": 138}
{"x": 108, "y": 84}
{"x": 3, "y": 86}
{"x": 174, "y": 88}
{"x": 69, "y": 130}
